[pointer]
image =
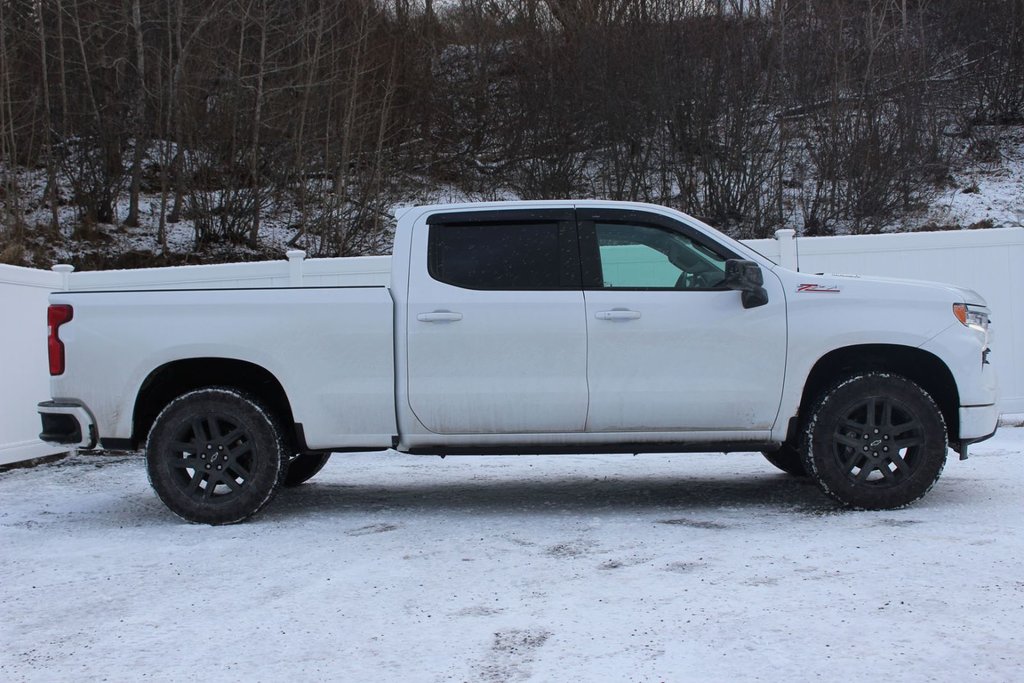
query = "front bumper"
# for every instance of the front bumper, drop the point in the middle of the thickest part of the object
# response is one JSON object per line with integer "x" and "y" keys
{"x": 67, "y": 423}
{"x": 977, "y": 423}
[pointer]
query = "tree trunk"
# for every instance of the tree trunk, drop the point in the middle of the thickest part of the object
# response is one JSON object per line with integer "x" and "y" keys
{"x": 139, "y": 152}
{"x": 254, "y": 158}
{"x": 52, "y": 191}
{"x": 9, "y": 144}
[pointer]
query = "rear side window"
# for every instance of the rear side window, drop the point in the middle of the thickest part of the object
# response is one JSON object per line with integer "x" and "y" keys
{"x": 501, "y": 256}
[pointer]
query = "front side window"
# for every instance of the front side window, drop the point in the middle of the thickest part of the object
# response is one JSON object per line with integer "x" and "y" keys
{"x": 646, "y": 257}
{"x": 497, "y": 256}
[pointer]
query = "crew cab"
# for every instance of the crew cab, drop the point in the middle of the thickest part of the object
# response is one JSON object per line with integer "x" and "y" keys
{"x": 525, "y": 327}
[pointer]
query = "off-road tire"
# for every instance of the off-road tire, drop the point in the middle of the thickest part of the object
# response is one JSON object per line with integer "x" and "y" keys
{"x": 788, "y": 459}
{"x": 215, "y": 455}
{"x": 875, "y": 441}
{"x": 304, "y": 467}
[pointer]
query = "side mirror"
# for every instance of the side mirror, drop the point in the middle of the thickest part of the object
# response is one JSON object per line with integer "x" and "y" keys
{"x": 746, "y": 277}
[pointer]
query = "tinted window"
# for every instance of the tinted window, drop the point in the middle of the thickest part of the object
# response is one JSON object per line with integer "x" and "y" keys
{"x": 648, "y": 257}
{"x": 496, "y": 256}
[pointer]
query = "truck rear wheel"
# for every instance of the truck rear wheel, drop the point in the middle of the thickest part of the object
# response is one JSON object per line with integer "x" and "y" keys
{"x": 875, "y": 441}
{"x": 215, "y": 456}
{"x": 304, "y": 467}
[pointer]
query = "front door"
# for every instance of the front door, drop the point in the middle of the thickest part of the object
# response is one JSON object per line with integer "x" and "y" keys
{"x": 671, "y": 349}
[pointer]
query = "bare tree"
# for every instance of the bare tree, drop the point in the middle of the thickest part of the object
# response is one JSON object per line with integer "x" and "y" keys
{"x": 8, "y": 136}
{"x": 52, "y": 190}
{"x": 139, "y": 115}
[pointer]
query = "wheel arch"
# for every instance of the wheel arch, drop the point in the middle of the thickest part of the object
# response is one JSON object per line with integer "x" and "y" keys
{"x": 175, "y": 378}
{"x": 922, "y": 367}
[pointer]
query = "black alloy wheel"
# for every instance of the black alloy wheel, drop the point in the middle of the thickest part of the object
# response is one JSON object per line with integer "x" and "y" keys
{"x": 215, "y": 456}
{"x": 876, "y": 441}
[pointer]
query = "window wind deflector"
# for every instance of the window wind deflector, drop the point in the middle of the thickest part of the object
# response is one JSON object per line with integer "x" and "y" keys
{"x": 501, "y": 216}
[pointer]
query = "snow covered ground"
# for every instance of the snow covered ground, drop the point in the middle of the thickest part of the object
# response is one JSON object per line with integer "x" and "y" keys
{"x": 987, "y": 193}
{"x": 389, "y": 567}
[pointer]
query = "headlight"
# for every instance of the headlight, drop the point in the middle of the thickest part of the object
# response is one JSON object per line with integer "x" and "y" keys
{"x": 972, "y": 316}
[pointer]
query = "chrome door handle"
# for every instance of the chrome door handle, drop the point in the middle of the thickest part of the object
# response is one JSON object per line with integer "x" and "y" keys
{"x": 439, "y": 317}
{"x": 618, "y": 314}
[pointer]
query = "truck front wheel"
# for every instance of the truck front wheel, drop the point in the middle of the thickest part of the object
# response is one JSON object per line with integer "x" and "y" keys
{"x": 875, "y": 441}
{"x": 215, "y": 456}
{"x": 788, "y": 459}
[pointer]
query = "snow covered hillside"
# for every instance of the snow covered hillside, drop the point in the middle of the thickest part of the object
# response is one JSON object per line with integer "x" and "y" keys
{"x": 402, "y": 568}
{"x": 984, "y": 189}
{"x": 988, "y": 186}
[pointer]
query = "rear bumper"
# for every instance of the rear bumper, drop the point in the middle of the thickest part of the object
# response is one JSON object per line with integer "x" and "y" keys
{"x": 68, "y": 423}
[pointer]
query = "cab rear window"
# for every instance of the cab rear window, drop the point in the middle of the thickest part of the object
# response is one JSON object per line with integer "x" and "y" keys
{"x": 498, "y": 256}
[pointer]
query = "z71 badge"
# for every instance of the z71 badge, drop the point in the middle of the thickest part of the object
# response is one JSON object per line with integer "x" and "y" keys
{"x": 809, "y": 287}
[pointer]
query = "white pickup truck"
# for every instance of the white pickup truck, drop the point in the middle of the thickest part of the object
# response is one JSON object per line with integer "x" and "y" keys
{"x": 527, "y": 327}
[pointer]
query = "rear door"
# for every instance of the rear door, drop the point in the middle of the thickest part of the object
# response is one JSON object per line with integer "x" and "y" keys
{"x": 497, "y": 338}
{"x": 670, "y": 348}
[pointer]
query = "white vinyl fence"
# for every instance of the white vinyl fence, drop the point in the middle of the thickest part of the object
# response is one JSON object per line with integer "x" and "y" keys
{"x": 24, "y": 378}
{"x": 988, "y": 261}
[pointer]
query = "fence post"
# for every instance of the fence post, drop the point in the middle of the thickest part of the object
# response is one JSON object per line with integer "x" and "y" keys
{"x": 295, "y": 258}
{"x": 787, "y": 249}
{"x": 65, "y": 271}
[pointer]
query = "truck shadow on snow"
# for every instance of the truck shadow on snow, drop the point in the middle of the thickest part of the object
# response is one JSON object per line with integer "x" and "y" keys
{"x": 501, "y": 496}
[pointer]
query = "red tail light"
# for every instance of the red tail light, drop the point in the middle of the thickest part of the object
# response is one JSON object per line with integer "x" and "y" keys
{"x": 56, "y": 315}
